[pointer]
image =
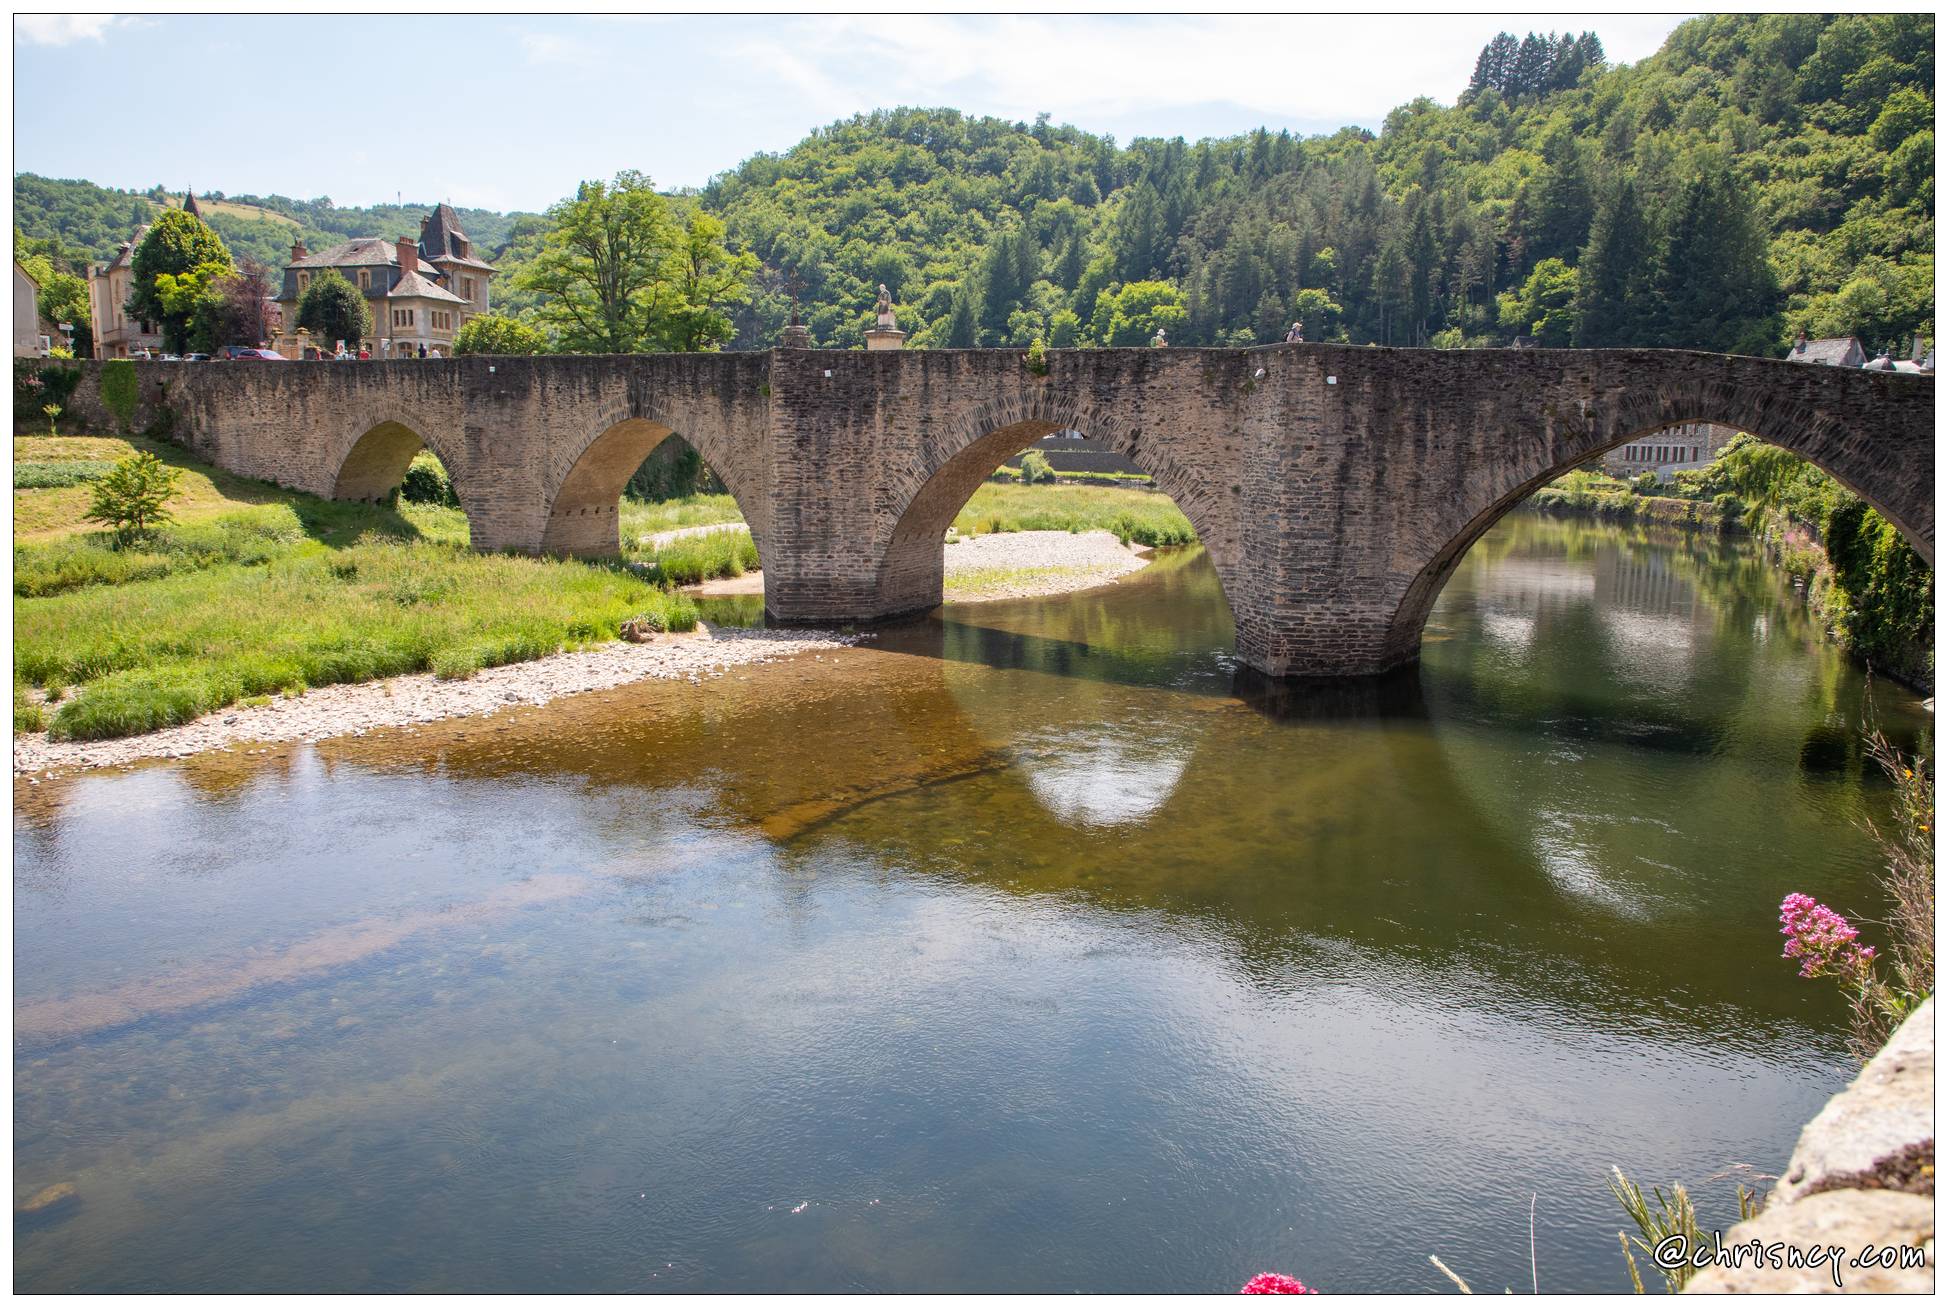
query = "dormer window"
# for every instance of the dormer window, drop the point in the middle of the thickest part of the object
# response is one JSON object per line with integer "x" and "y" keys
{"x": 304, "y": 282}
{"x": 365, "y": 279}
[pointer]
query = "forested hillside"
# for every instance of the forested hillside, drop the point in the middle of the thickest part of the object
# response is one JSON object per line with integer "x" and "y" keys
{"x": 90, "y": 222}
{"x": 1758, "y": 175}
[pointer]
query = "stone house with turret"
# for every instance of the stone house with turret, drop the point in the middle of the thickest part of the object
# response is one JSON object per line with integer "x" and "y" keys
{"x": 420, "y": 291}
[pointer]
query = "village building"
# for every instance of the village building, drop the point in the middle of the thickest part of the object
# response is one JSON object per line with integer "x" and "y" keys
{"x": 1687, "y": 445}
{"x": 29, "y": 343}
{"x": 1833, "y": 351}
{"x": 117, "y": 336}
{"x": 420, "y": 291}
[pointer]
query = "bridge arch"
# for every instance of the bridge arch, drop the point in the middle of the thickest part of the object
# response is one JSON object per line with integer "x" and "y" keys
{"x": 588, "y": 476}
{"x": 1841, "y": 445}
{"x": 943, "y": 474}
{"x": 370, "y": 459}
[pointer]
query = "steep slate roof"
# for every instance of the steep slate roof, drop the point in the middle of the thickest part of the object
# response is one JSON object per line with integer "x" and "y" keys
{"x": 414, "y": 286}
{"x": 360, "y": 252}
{"x": 189, "y": 204}
{"x": 440, "y": 239}
{"x": 1834, "y": 350}
{"x": 437, "y": 230}
{"x": 125, "y": 256}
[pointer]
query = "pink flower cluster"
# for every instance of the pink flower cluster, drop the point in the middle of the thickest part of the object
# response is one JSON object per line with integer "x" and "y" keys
{"x": 1274, "y": 1283}
{"x": 1822, "y": 940}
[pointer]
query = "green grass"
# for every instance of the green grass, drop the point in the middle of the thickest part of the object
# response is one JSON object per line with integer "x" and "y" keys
{"x": 692, "y": 559}
{"x": 282, "y": 592}
{"x": 1146, "y": 517}
{"x": 641, "y": 518}
{"x": 53, "y": 474}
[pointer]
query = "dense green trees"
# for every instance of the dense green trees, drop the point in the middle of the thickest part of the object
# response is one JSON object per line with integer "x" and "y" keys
{"x": 492, "y": 333}
{"x": 333, "y": 310}
{"x": 619, "y": 272}
{"x": 179, "y": 246}
{"x": 1759, "y": 174}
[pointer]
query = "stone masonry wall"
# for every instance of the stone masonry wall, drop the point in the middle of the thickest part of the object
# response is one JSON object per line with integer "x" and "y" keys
{"x": 1335, "y": 487}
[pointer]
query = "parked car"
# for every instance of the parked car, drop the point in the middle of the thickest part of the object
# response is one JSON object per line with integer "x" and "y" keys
{"x": 172, "y": 358}
{"x": 247, "y": 352}
{"x": 196, "y": 358}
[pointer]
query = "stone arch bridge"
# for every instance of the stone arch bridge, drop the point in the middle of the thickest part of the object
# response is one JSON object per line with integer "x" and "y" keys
{"x": 1335, "y": 487}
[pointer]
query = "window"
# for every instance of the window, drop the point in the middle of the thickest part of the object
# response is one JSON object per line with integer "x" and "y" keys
{"x": 466, "y": 288}
{"x": 365, "y": 279}
{"x": 304, "y": 281}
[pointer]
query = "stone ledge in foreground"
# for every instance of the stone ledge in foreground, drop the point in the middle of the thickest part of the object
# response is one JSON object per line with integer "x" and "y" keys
{"x": 1854, "y": 1181}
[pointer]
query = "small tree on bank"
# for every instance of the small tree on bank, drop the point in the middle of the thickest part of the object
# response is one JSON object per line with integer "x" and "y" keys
{"x": 129, "y": 499}
{"x": 333, "y": 310}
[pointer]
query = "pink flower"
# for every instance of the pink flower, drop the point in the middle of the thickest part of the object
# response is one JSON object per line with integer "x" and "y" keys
{"x": 1821, "y": 940}
{"x": 1274, "y": 1283}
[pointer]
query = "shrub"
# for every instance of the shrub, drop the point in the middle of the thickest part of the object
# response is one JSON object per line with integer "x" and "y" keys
{"x": 1035, "y": 468}
{"x": 427, "y": 483}
{"x": 129, "y": 498}
{"x": 36, "y": 384}
{"x": 492, "y": 333}
{"x": 28, "y": 715}
{"x": 1644, "y": 483}
{"x": 1038, "y": 358}
{"x": 119, "y": 392}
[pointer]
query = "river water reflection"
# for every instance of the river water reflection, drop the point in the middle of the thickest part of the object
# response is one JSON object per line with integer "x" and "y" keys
{"x": 1027, "y": 948}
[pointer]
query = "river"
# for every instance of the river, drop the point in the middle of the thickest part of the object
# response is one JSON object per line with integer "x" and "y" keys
{"x": 1025, "y": 948}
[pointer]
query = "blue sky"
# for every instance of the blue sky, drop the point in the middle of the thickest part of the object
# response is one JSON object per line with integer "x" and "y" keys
{"x": 507, "y": 112}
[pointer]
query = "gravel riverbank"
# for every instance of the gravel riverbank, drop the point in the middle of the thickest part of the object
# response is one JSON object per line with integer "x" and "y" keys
{"x": 1000, "y": 566}
{"x": 356, "y": 709}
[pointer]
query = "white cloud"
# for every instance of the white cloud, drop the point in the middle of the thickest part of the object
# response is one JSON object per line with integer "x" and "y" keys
{"x": 559, "y": 51}
{"x": 63, "y": 29}
{"x": 1313, "y": 69}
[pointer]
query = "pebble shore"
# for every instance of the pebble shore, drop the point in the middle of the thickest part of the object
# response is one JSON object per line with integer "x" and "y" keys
{"x": 402, "y": 701}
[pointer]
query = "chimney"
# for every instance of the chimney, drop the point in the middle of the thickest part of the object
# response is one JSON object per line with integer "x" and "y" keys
{"x": 408, "y": 256}
{"x": 297, "y": 250}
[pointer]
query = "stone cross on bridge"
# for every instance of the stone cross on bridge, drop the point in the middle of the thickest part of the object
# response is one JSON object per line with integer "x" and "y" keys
{"x": 1336, "y": 487}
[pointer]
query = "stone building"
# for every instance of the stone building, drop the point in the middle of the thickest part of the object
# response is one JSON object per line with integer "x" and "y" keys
{"x": 419, "y": 291}
{"x": 1833, "y": 351}
{"x": 1687, "y": 445}
{"x": 28, "y": 341}
{"x": 117, "y": 336}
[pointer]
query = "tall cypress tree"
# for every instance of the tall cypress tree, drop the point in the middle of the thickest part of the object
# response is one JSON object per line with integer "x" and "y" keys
{"x": 1613, "y": 289}
{"x": 1561, "y": 208}
{"x": 1714, "y": 286}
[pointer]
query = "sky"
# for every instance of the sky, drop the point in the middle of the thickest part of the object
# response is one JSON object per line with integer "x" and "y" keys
{"x": 509, "y": 112}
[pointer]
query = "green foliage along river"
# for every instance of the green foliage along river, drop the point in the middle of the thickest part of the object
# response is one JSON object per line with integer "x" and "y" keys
{"x": 1021, "y": 949}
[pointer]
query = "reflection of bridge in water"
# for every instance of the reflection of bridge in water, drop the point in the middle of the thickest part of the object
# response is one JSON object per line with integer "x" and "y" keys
{"x": 1336, "y": 488}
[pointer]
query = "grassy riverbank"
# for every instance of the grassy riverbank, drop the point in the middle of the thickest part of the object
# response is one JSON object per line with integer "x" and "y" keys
{"x": 1145, "y": 517}
{"x": 258, "y": 591}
